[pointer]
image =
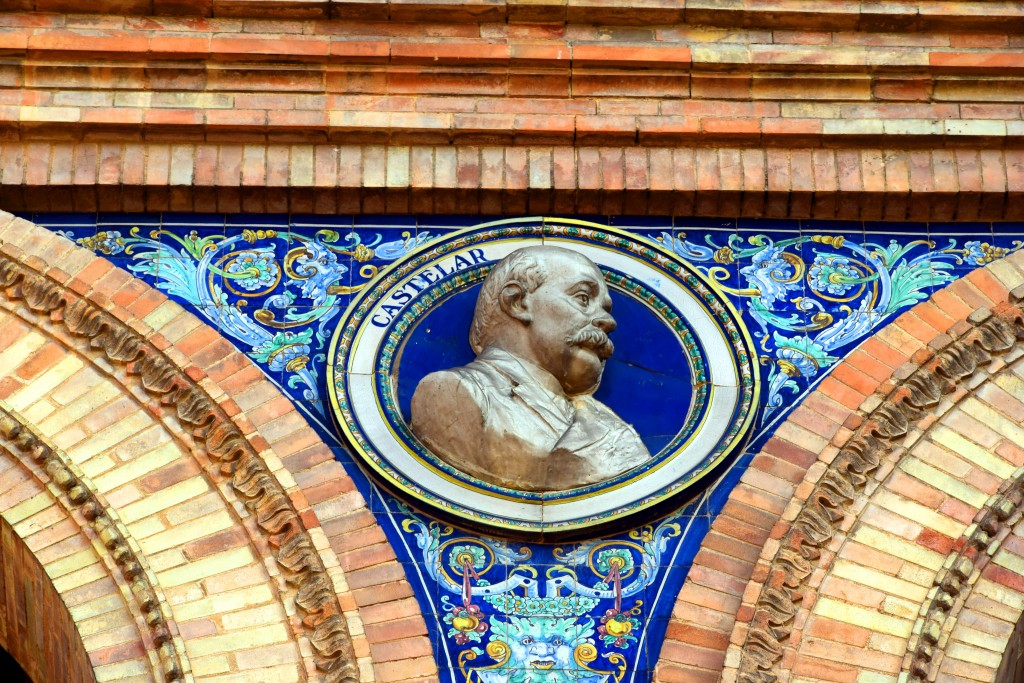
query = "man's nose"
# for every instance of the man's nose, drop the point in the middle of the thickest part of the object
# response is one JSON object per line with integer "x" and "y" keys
{"x": 541, "y": 649}
{"x": 605, "y": 322}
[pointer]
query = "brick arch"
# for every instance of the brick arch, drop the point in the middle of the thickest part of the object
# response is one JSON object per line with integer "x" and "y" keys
{"x": 36, "y": 628}
{"x": 795, "y": 524}
{"x": 99, "y": 366}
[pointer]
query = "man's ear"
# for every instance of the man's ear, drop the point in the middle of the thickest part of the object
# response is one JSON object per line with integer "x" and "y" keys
{"x": 515, "y": 303}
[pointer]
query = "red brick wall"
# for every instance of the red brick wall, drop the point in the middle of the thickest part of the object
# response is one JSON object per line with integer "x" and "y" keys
{"x": 35, "y": 627}
{"x": 908, "y": 110}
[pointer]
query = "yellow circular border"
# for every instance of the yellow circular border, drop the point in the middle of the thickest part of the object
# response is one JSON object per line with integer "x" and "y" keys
{"x": 500, "y": 524}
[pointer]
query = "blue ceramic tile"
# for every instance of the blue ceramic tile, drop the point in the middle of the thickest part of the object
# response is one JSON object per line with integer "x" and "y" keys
{"x": 781, "y": 318}
{"x": 813, "y": 225}
{"x": 310, "y": 223}
{"x": 105, "y": 220}
{"x": 768, "y": 225}
{"x": 964, "y": 228}
{"x": 61, "y": 221}
{"x": 211, "y": 221}
{"x": 883, "y": 227}
{"x": 690, "y": 222}
{"x": 641, "y": 222}
{"x": 384, "y": 221}
{"x": 249, "y": 220}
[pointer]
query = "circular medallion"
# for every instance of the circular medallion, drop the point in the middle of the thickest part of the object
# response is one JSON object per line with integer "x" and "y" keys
{"x": 605, "y": 376}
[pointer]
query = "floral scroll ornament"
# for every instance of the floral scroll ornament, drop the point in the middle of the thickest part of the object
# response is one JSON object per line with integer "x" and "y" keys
{"x": 272, "y": 292}
{"x": 809, "y": 315}
{"x": 542, "y": 629}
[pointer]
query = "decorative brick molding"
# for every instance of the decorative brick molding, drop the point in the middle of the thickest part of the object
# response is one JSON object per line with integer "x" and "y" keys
{"x": 985, "y": 618}
{"x": 822, "y": 514}
{"x": 271, "y": 459}
{"x": 907, "y": 111}
{"x": 987, "y": 537}
{"x": 83, "y": 499}
{"x": 224, "y": 442}
{"x": 963, "y": 184}
{"x": 915, "y": 15}
{"x": 779, "y": 529}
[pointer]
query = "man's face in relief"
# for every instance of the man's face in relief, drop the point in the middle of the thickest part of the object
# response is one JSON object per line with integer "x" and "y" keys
{"x": 571, "y": 319}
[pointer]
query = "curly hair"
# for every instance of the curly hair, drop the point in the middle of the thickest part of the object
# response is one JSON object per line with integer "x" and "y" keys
{"x": 522, "y": 268}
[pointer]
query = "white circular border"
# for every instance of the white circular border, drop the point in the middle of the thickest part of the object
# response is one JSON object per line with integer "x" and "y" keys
{"x": 427, "y": 483}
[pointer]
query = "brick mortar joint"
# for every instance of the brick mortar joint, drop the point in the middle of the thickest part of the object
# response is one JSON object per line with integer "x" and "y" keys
{"x": 988, "y": 335}
{"x": 103, "y": 520}
{"x": 324, "y": 622}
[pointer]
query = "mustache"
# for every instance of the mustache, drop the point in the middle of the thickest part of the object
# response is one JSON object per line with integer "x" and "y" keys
{"x": 594, "y": 339}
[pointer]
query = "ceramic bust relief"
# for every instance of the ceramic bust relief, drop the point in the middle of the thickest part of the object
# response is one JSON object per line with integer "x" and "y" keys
{"x": 522, "y": 414}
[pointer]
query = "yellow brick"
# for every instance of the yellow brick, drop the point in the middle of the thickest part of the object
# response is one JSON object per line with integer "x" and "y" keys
{"x": 1014, "y": 563}
{"x": 943, "y": 482}
{"x": 242, "y": 640}
{"x": 46, "y": 382}
{"x": 168, "y": 559}
{"x": 145, "y": 528}
{"x": 919, "y": 513}
{"x": 79, "y": 408}
{"x": 37, "y": 412}
{"x": 32, "y": 114}
{"x": 1008, "y": 598}
{"x": 27, "y": 508}
{"x": 108, "y": 438}
{"x": 273, "y": 655}
{"x": 207, "y": 666}
{"x": 915, "y": 574}
{"x": 187, "y": 511}
{"x": 73, "y": 562}
{"x": 223, "y": 603}
{"x": 258, "y": 616}
{"x": 163, "y": 454}
{"x": 162, "y": 314}
{"x": 1005, "y": 273}
{"x": 974, "y": 655}
{"x": 208, "y": 566}
{"x": 279, "y": 674}
{"x": 163, "y": 499}
{"x": 879, "y": 580}
{"x": 80, "y": 577}
{"x": 883, "y": 642}
{"x": 972, "y": 636}
{"x": 15, "y": 354}
{"x": 181, "y": 595}
{"x": 866, "y": 676}
{"x": 1011, "y": 384}
{"x": 181, "y": 533}
{"x": 42, "y": 520}
{"x": 128, "y": 670}
{"x": 105, "y": 622}
{"x": 107, "y": 603}
{"x": 112, "y": 637}
{"x": 860, "y": 616}
{"x": 96, "y": 465}
{"x": 78, "y": 385}
{"x": 898, "y": 607}
{"x": 994, "y": 420}
{"x": 971, "y": 451}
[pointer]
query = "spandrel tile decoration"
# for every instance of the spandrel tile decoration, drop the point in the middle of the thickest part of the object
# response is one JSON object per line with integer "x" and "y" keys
{"x": 721, "y": 332}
